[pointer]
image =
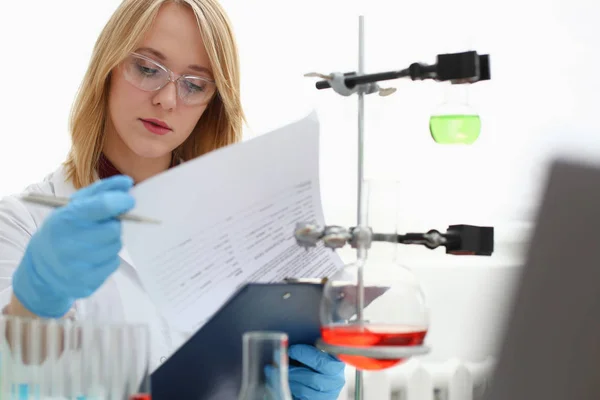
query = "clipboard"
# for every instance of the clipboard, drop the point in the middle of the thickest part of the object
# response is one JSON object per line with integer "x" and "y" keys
{"x": 209, "y": 364}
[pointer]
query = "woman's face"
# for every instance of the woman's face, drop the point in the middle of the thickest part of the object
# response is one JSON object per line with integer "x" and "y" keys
{"x": 151, "y": 123}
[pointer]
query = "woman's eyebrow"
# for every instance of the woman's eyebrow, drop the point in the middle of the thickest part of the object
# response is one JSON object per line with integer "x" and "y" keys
{"x": 154, "y": 52}
{"x": 163, "y": 58}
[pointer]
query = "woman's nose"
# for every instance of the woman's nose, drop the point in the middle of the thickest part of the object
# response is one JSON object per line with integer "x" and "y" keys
{"x": 167, "y": 96}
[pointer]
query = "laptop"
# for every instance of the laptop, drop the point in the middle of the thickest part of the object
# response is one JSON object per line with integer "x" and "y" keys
{"x": 551, "y": 342}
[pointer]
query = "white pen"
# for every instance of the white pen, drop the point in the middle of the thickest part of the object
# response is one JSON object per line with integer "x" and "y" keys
{"x": 56, "y": 202}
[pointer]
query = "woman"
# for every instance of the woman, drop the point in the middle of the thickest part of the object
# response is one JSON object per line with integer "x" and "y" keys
{"x": 162, "y": 88}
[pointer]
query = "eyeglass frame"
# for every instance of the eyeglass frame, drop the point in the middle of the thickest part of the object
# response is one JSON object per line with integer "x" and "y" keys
{"x": 173, "y": 77}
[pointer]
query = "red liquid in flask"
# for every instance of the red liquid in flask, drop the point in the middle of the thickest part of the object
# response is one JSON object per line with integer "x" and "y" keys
{"x": 140, "y": 396}
{"x": 372, "y": 336}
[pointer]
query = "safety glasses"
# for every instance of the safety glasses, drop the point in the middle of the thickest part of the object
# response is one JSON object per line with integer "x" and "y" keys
{"x": 148, "y": 75}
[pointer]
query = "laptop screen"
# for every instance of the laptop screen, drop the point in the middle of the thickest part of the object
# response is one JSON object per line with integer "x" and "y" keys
{"x": 551, "y": 344}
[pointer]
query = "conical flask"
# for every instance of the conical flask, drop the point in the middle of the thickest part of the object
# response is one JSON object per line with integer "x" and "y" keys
{"x": 455, "y": 121}
{"x": 265, "y": 366}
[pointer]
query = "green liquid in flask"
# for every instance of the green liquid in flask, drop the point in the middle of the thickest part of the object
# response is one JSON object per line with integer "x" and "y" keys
{"x": 455, "y": 129}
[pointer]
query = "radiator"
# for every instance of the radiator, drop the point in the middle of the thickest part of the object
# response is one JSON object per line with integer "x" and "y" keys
{"x": 453, "y": 379}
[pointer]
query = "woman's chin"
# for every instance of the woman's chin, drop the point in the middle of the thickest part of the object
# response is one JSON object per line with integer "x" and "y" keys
{"x": 152, "y": 150}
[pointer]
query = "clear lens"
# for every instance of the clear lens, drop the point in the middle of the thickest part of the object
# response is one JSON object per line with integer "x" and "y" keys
{"x": 145, "y": 74}
{"x": 195, "y": 90}
{"x": 150, "y": 76}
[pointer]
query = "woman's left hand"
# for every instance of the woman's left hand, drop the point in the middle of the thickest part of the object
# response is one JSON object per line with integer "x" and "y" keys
{"x": 322, "y": 378}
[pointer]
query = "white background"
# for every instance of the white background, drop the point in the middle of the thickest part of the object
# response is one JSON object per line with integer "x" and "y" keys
{"x": 542, "y": 94}
{"x": 541, "y": 101}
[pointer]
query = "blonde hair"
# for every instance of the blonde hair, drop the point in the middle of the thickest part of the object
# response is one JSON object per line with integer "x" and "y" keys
{"x": 221, "y": 123}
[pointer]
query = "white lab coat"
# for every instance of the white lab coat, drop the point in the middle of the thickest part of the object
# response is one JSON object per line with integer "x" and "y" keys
{"x": 121, "y": 298}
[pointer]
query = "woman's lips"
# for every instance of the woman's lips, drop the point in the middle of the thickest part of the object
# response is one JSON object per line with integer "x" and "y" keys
{"x": 155, "y": 126}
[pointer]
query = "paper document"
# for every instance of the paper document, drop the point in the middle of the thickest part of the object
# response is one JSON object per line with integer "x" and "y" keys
{"x": 228, "y": 218}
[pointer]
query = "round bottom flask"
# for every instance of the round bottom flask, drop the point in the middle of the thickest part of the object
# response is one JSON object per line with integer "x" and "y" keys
{"x": 373, "y": 311}
{"x": 455, "y": 121}
{"x": 394, "y": 317}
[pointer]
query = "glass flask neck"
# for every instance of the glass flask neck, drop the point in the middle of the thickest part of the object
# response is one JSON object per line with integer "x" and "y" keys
{"x": 383, "y": 197}
{"x": 265, "y": 367}
{"x": 456, "y": 94}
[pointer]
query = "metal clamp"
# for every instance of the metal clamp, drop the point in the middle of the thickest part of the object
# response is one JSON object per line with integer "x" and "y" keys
{"x": 337, "y": 81}
{"x": 338, "y": 84}
{"x": 333, "y": 236}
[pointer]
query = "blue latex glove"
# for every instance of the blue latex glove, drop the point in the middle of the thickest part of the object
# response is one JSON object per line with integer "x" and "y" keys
{"x": 75, "y": 250}
{"x": 322, "y": 378}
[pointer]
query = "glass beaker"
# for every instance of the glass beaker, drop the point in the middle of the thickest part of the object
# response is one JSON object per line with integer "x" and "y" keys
{"x": 394, "y": 312}
{"x": 64, "y": 359}
{"x": 265, "y": 366}
{"x": 455, "y": 121}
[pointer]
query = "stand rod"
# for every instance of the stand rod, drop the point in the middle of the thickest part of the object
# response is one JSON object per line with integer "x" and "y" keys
{"x": 361, "y": 209}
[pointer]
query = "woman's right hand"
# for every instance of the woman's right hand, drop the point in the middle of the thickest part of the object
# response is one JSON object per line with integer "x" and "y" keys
{"x": 75, "y": 250}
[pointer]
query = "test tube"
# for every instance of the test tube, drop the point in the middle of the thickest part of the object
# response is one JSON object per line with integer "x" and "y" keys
{"x": 83, "y": 360}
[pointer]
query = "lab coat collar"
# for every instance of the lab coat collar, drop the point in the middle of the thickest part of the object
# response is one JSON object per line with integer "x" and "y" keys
{"x": 63, "y": 187}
